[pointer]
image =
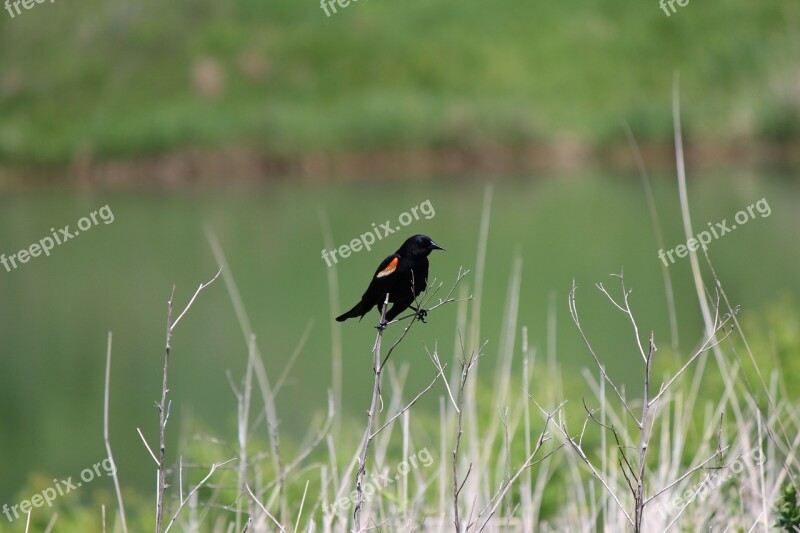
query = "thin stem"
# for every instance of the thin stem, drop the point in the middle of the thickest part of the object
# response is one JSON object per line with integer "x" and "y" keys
{"x": 106, "y": 439}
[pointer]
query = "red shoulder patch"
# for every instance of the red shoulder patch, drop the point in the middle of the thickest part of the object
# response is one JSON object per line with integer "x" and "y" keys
{"x": 391, "y": 267}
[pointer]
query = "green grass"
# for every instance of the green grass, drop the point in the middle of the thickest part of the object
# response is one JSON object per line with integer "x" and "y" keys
{"x": 110, "y": 79}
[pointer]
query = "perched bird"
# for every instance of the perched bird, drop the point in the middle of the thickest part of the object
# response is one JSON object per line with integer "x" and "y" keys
{"x": 403, "y": 276}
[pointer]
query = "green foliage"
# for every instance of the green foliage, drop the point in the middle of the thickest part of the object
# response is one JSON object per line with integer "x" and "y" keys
{"x": 788, "y": 509}
{"x": 774, "y": 338}
{"x": 110, "y": 79}
{"x": 77, "y": 510}
{"x": 781, "y": 123}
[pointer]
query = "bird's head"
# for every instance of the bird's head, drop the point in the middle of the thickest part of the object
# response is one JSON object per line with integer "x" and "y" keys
{"x": 418, "y": 245}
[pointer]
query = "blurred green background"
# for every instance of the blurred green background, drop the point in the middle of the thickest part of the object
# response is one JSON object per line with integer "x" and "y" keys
{"x": 96, "y": 87}
{"x": 118, "y": 78}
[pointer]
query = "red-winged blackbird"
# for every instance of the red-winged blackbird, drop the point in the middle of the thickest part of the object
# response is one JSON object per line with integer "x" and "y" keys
{"x": 402, "y": 275}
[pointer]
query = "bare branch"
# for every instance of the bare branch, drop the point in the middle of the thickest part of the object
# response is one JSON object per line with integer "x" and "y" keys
{"x": 408, "y": 406}
{"x": 435, "y": 358}
{"x": 573, "y": 309}
{"x": 191, "y": 493}
{"x": 707, "y": 345}
{"x": 264, "y": 509}
{"x": 367, "y": 439}
{"x": 688, "y": 473}
{"x": 466, "y": 366}
{"x": 577, "y": 448}
{"x": 505, "y": 487}
{"x": 196, "y": 293}
{"x": 163, "y": 406}
{"x": 149, "y": 449}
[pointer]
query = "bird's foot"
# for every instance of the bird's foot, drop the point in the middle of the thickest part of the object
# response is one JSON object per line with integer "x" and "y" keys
{"x": 381, "y": 326}
{"x": 422, "y": 314}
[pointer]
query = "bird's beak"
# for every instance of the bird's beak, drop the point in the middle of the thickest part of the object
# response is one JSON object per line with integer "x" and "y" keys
{"x": 437, "y": 247}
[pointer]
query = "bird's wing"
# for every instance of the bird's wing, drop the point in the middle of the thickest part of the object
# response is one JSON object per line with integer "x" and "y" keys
{"x": 396, "y": 267}
{"x": 380, "y": 280}
{"x": 387, "y": 267}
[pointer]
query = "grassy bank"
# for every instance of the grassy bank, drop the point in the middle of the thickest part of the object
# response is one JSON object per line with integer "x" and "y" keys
{"x": 109, "y": 79}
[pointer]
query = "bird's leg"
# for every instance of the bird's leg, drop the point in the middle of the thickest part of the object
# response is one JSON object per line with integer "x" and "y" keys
{"x": 421, "y": 313}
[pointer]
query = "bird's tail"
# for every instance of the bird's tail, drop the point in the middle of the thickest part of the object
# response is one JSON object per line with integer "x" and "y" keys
{"x": 359, "y": 310}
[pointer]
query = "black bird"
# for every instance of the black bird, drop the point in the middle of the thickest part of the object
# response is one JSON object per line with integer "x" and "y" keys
{"x": 403, "y": 276}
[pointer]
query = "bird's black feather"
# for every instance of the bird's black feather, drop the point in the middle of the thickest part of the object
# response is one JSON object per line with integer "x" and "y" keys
{"x": 403, "y": 276}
